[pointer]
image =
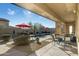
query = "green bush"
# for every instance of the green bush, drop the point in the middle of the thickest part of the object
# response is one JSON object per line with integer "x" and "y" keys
{"x": 6, "y": 38}
{"x": 22, "y": 40}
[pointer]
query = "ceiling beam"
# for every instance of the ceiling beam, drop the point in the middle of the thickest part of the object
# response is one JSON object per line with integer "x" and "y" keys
{"x": 40, "y": 9}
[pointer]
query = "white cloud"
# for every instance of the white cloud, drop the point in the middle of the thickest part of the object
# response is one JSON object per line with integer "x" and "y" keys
{"x": 11, "y": 12}
{"x": 27, "y": 12}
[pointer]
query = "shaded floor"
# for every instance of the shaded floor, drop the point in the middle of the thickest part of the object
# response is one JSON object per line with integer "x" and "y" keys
{"x": 47, "y": 48}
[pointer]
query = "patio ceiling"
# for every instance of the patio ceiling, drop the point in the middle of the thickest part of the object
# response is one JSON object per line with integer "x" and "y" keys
{"x": 65, "y": 12}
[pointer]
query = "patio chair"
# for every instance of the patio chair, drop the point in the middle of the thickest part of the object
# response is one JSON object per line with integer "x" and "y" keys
{"x": 54, "y": 39}
{"x": 73, "y": 40}
{"x": 67, "y": 39}
{"x": 59, "y": 38}
{"x": 70, "y": 41}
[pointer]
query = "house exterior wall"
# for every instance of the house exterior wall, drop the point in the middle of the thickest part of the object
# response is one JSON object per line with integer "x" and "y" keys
{"x": 4, "y": 24}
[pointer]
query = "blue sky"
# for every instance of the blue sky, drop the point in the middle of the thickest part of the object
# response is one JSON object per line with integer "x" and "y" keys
{"x": 18, "y": 15}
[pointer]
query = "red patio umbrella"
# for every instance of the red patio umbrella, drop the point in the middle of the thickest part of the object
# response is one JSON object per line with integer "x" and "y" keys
{"x": 23, "y": 25}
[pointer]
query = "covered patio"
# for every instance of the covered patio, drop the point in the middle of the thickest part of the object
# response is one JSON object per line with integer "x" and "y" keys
{"x": 65, "y": 15}
{"x": 59, "y": 43}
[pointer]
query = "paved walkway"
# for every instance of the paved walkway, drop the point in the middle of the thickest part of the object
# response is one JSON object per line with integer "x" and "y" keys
{"x": 49, "y": 50}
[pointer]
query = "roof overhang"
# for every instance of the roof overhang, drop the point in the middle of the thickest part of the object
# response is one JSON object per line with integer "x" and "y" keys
{"x": 65, "y": 12}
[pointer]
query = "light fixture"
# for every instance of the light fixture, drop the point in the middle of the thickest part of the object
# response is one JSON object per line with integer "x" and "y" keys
{"x": 74, "y": 11}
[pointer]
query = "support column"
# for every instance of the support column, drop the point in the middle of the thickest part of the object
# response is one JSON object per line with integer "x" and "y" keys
{"x": 77, "y": 28}
{"x": 59, "y": 28}
{"x": 67, "y": 28}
